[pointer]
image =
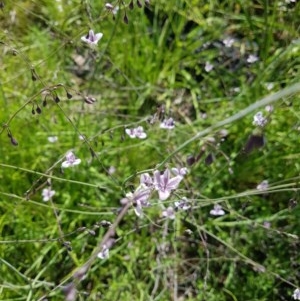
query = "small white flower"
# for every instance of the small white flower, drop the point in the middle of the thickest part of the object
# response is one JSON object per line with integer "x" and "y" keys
{"x": 52, "y": 139}
{"x": 169, "y": 213}
{"x": 168, "y": 124}
{"x": 182, "y": 204}
{"x": 217, "y": 211}
{"x": 71, "y": 160}
{"x": 228, "y": 42}
{"x": 104, "y": 254}
{"x": 252, "y": 59}
{"x": 111, "y": 170}
{"x": 81, "y": 137}
{"x": 269, "y": 86}
{"x": 92, "y": 38}
{"x": 47, "y": 194}
{"x": 296, "y": 294}
{"x": 259, "y": 119}
{"x": 136, "y": 132}
{"x": 208, "y": 67}
{"x": 264, "y": 185}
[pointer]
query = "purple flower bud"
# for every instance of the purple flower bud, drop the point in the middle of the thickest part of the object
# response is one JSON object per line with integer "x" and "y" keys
{"x": 190, "y": 160}
{"x": 89, "y": 100}
{"x": 14, "y": 141}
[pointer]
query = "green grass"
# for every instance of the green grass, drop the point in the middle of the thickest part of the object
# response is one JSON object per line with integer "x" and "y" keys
{"x": 154, "y": 66}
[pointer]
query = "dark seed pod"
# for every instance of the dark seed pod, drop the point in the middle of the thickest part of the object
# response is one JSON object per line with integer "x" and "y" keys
{"x": 139, "y": 4}
{"x": 69, "y": 95}
{"x": 44, "y": 103}
{"x": 1, "y": 5}
{"x": 33, "y": 75}
{"x": 13, "y": 141}
{"x": 125, "y": 19}
{"x": 190, "y": 160}
{"x": 33, "y": 111}
{"x": 209, "y": 159}
{"x": 38, "y": 110}
{"x": 131, "y": 5}
{"x": 56, "y": 99}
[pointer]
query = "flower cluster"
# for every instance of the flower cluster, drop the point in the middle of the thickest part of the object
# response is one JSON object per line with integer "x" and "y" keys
{"x": 164, "y": 183}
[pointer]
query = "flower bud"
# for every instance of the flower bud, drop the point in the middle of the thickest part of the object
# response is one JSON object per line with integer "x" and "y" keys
{"x": 190, "y": 160}
{"x": 56, "y": 99}
{"x": 34, "y": 76}
{"x": 139, "y": 4}
{"x": 13, "y": 141}
{"x": 89, "y": 100}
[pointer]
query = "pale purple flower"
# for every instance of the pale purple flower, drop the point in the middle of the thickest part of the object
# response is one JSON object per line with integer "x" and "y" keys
{"x": 208, "y": 67}
{"x": 259, "y": 119}
{"x": 47, "y": 194}
{"x": 146, "y": 179}
{"x": 264, "y": 185}
{"x": 164, "y": 184}
{"x": 140, "y": 199}
{"x": 92, "y": 38}
{"x": 136, "y": 132}
{"x": 217, "y": 210}
{"x": 179, "y": 171}
{"x": 296, "y": 294}
{"x": 104, "y": 253}
{"x": 252, "y": 59}
{"x": 169, "y": 213}
{"x": 228, "y": 42}
{"x": 168, "y": 124}
{"x": 182, "y": 204}
{"x": 71, "y": 160}
{"x": 52, "y": 139}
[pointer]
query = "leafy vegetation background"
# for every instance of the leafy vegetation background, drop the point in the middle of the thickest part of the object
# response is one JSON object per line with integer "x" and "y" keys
{"x": 155, "y": 64}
